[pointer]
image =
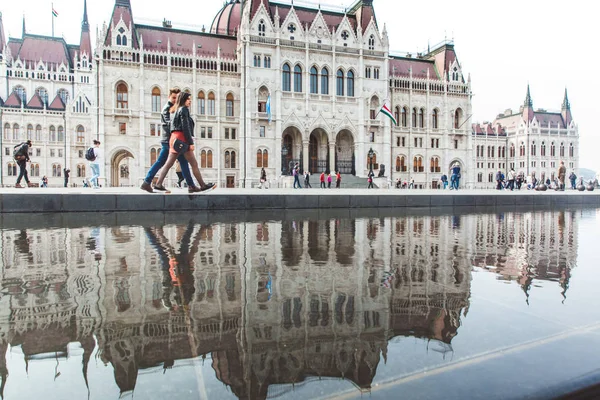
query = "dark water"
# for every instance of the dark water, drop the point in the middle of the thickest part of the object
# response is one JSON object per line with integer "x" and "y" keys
{"x": 320, "y": 305}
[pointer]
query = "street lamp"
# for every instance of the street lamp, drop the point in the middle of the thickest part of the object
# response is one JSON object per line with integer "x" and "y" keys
{"x": 371, "y": 155}
{"x": 284, "y": 152}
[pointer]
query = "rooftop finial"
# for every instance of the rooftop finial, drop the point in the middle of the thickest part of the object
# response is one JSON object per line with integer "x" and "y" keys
{"x": 528, "y": 101}
{"x": 85, "y": 25}
{"x": 566, "y": 105}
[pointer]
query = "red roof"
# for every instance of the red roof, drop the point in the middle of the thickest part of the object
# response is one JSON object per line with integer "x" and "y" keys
{"x": 36, "y": 102}
{"x": 308, "y": 15}
{"x": 13, "y": 101}
{"x": 553, "y": 118}
{"x": 57, "y": 104}
{"x": 227, "y": 21}
{"x": 182, "y": 42}
{"x": 34, "y": 48}
{"x": 401, "y": 66}
{"x": 122, "y": 10}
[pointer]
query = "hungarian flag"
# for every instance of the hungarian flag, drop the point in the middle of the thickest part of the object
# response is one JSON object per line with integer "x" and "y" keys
{"x": 386, "y": 110}
{"x": 54, "y": 13}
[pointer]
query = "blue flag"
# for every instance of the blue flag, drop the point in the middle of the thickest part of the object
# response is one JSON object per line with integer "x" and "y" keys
{"x": 269, "y": 108}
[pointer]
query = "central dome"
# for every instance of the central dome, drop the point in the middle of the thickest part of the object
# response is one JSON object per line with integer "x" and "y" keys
{"x": 227, "y": 21}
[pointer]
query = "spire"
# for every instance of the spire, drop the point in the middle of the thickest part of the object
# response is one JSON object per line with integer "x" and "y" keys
{"x": 24, "y": 31}
{"x": 85, "y": 42}
{"x": 85, "y": 25}
{"x": 2, "y": 38}
{"x": 566, "y": 111}
{"x": 566, "y": 105}
{"x": 528, "y": 101}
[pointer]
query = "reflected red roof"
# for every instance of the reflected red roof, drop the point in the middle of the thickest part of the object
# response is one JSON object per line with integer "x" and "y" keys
{"x": 182, "y": 42}
{"x": 401, "y": 66}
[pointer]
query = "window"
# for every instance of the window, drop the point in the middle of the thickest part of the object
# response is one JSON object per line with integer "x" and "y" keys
{"x": 233, "y": 134}
{"x": 375, "y": 73}
{"x": 435, "y": 165}
{"x": 257, "y": 60}
{"x": 6, "y": 131}
{"x": 122, "y": 128}
{"x": 435, "y": 119}
{"x": 262, "y": 131}
{"x": 61, "y": 134}
{"x": 226, "y": 133}
{"x": 372, "y": 137}
{"x": 64, "y": 95}
{"x": 38, "y": 152}
{"x": 571, "y": 150}
{"x": 60, "y": 153}
{"x": 542, "y": 150}
{"x": 56, "y": 170}
{"x": 43, "y": 93}
{"x": 153, "y": 156}
{"x": 30, "y": 132}
{"x": 80, "y": 134}
{"x": 230, "y": 159}
{"x": 7, "y": 151}
{"x": 397, "y": 114}
{"x": 480, "y": 177}
{"x": 153, "y": 130}
{"x": 298, "y": 79}
{"x": 156, "y": 100}
{"x": 552, "y": 150}
{"x": 267, "y": 63}
{"x": 203, "y": 132}
{"x": 201, "y": 103}
{"x": 286, "y": 82}
{"x": 404, "y": 117}
{"x": 122, "y": 96}
{"x": 52, "y": 136}
{"x": 80, "y": 153}
{"x": 350, "y": 84}
{"x": 262, "y": 159}
{"x": 418, "y": 164}
{"x": 211, "y": 103}
{"x": 367, "y": 72}
{"x": 229, "y": 105}
{"x": 34, "y": 170}
{"x": 12, "y": 169}
{"x": 314, "y": 80}
{"x": 340, "y": 83}
{"x": 21, "y": 92}
{"x": 372, "y": 42}
{"x": 457, "y": 118}
{"x": 414, "y": 117}
{"x": 456, "y": 144}
{"x": 401, "y": 164}
{"x": 81, "y": 171}
{"x": 261, "y": 28}
{"x": 325, "y": 81}
{"x": 421, "y": 118}
{"x": 533, "y": 148}
{"x": 38, "y": 133}
{"x": 562, "y": 149}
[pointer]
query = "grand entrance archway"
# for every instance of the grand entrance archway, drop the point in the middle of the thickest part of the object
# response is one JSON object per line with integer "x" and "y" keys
{"x": 318, "y": 152}
{"x": 291, "y": 150}
{"x": 344, "y": 153}
{"x": 120, "y": 169}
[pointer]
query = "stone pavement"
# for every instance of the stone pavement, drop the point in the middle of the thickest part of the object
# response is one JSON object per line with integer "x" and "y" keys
{"x": 133, "y": 199}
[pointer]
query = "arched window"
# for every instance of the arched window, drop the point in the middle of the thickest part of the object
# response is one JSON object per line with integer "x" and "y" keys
{"x": 480, "y": 177}
{"x": 404, "y": 117}
{"x": 435, "y": 119}
{"x": 571, "y": 150}
{"x": 259, "y": 159}
{"x": 230, "y": 159}
{"x": 457, "y": 118}
{"x": 340, "y": 83}
{"x": 229, "y": 105}
{"x": 52, "y": 134}
{"x": 156, "y": 100}
{"x": 286, "y": 78}
{"x": 38, "y": 133}
{"x": 233, "y": 159}
{"x": 434, "y": 165}
{"x": 64, "y": 95}
{"x": 552, "y": 150}
{"x": 298, "y": 79}
{"x": 533, "y": 148}
{"x": 401, "y": 164}
{"x": 81, "y": 171}
{"x": 6, "y": 131}
{"x": 122, "y": 96}
{"x": 211, "y": 103}
{"x": 512, "y": 150}
{"x": 56, "y": 170}
{"x": 43, "y": 93}
{"x": 421, "y": 118}
{"x": 350, "y": 84}
{"x": 203, "y": 159}
{"x": 414, "y": 117}
{"x": 397, "y": 113}
{"x": 562, "y": 149}
{"x": 209, "y": 159}
{"x": 12, "y": 169}
{"x": 21, "y": 92}
{"x": 418, "y": 164}
{"x": 262, "y": 159}
{"x": 16, "y": 133}
{"x": 201, "y": 103}
{"x": 372, "y": 42}
{"x": 124, "y": 40}
{"x": 80, "y": 134}
{"x": 153, "y": 156}
{"x": 118, "y": 40}
{"x": 261, "y": 28}
{"x": 29, "y": 132}
{"x": 314, "y": 81}
{"x": 35, "y": 170}
{"x": 543, "y": 149}
{"x": 325, "y": 81}
{"x": 265, "y": 156}
{"x": 61, "y": 134}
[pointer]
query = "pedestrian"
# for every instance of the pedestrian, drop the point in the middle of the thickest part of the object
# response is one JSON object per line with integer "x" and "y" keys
{"x": 67, "y": 173}
{"x": 44, "y": 181}
{"x": 181, "y": 142}
{"x": 338, "y": 180}
{"x": 263, "y": 178}
{"x": 562, "y": 174}
{"x": 86, "y": 184}
{"x": 180, "y": 177}
{"x": 455, "y": 178}
{"x": 519, "y": 180}
{"x": 370, "y": 177}
{"x": 445, "y": 181}
{"x": 307, "y": 179}
{"x": 329, "y": 179}
{"x": 21, "y": 156}
{"x": 511, "y": 179}
{"x": 95, "y": 165}
{"x": 322, "y": 180}
{"x": 296, "y": 174}
{"x": 411, "y": 185}
{"x": 499, "y": 180}
{"x": 573, "y": 179}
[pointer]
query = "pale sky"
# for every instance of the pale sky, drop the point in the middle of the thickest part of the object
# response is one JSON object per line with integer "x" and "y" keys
{"x": 503, "y": 45}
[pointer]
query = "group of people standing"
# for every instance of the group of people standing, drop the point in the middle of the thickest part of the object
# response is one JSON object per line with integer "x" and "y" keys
{"x": 325, "y": 179}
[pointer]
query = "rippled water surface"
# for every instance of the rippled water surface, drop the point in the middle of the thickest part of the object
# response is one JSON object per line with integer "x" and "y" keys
{"x": 318, "y": 305}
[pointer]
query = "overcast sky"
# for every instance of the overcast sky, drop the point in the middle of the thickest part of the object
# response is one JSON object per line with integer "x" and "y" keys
{"x": 503, "y": 45}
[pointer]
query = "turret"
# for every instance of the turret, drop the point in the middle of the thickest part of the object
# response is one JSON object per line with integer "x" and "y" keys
{"x": 565, "y": 110}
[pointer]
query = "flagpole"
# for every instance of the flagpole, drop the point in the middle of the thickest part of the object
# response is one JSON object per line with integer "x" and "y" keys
{"x": 52, "y": 5}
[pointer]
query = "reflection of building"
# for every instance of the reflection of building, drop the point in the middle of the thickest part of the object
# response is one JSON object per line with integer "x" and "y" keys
{"x": 272, "y": 303}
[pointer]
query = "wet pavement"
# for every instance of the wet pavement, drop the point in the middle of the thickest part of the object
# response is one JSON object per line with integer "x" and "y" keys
{"x": 328, "y": 305}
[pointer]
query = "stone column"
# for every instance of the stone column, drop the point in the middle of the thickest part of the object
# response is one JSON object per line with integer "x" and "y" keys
{"x": 331, "y": 156}
{"x": 305, "y": 155}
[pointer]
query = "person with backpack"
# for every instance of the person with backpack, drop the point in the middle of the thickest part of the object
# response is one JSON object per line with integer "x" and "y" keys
{"x": 93, "y": 156}
{"x": 21, "y": 156}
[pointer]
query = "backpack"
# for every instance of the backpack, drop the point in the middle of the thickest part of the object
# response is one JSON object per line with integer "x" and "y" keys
{"x": 18, "y": 150}
{"x": 89, "y": 154}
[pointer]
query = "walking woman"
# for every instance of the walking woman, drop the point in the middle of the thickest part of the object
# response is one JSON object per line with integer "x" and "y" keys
{"x": 180, "y": 177}
{"x": 182, "y": 142}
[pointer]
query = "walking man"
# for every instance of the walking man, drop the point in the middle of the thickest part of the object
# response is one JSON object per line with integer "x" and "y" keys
{"x": 296, "y": 172}
{"x": 562, "y": 174}
{"x": 322, "y": 179}
{"x": 329, "y": 179}
{"x": 445, "y": 181}
{"x": 573, "y": 179}
{"x": 338, "y": 180}
{"x": 67, "y": 173}
{"x": 307, "y": 179}
{"x": 95, "y": 165}
{"x": 511, "y": 179}
{"x": 21, "y": 156}
{"x": 164, "y": 152}
{"x": 370, "y": 179}
{"x": 455, "y": 176}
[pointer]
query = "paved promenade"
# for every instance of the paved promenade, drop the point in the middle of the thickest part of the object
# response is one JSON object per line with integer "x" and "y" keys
{"x": 133, "y": 199}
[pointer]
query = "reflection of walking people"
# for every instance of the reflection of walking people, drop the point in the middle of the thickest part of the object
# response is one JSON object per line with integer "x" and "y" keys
{"x": 296, "y": 173}
{"x": 21, "y": 156}
{"x": 95, "y": 165}
{"x": 307, "y": 180}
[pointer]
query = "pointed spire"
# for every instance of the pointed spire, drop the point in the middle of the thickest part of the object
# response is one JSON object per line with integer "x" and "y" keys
{"x": 566, "y": 105}
{"x": 2, "y": 37}
{"x": 24, "y": 30}
{"x": 85, "y": 25}
{"x": 528, "y": 101}
{"x": 85, "y": 41}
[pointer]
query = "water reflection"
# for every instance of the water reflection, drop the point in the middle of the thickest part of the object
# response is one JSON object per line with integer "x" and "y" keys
{"x": 269, "y": 302}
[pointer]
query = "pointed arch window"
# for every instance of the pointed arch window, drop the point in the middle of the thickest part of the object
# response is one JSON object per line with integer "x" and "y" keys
{"x": 372, "y": 42}
{"x": 21, "y": 92}
{"x": 314, "y": 81}
{"x": 16, "y": 132}
{"x": 156, "y": 100}
{"x": 229, "y": 105}
{"x": 262, "y": 158}
{"x": 435, "y": 165}
{"x": 61, "y": 134}
{"x": 286, "y": 78}
{"x": 81, "y": 171}
{"x": 533, "y": 148}
{"x": 261, "y": 28}
{"x": 29, "y": 132}
{"x": 418, "y": 164}
{"x": 35, "y": 170}
{"x": 350, "y": 84}
{"x": 404, "y": 117}
{"x": 52, "y": 136}
{"x": 38, "y": 133}
{"x": 124, "y": 40}
{"x": 552, "y": 150}
{"x": 201, "y": 103}
{"x": 562, "y": 149}
{"x": 414, "y": 117}
{"x": 435, "y": 119}
{"x": 153, "y": 156}
{"x": 571, "y": 150}
{"x": 325, "y": 81}
{"x": 43, "y": 93}
{"x": 340, "y": 83}
{"x": 298, "y": 79}
{"x": 457, "y": 118}
{"x": 118, "y": 40}
{"x": 6, "y": 131}
{"x": 80, "y": 134}
{"x": 542, "y": 150}
{"x": 211, "y": 103}
{"x": 397, "y": 113}
{"x": 421, "y": 118}
{"x": 230, "y": 159}
{"x": 401, "y": 164}
{"x": 64, "y": 95}
{"x": 122, "y": 96}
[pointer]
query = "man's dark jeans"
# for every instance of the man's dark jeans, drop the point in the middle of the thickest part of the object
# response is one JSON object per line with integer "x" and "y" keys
{"x": 162, "y": 159}
{"x": 22, "y": 171}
